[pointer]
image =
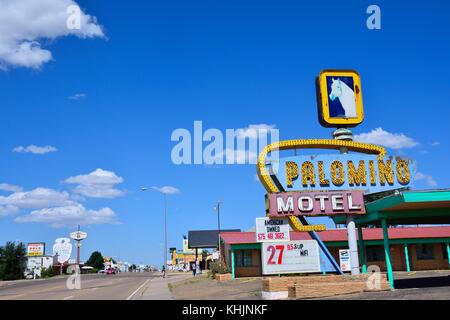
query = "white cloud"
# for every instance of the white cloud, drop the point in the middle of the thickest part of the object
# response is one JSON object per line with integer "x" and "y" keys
{"x": 70, "y": 216}
{"x": 390, "y": 140}
{"x": 8, "y": 210}
{"x": 429, "y": 180}
{"x": 25, "y": 23}
{"x": 167, "y": 190}
{"x": 253, "y": 130}
{"x": 78, "y": 96}
{"x": 97, "y": 184}
{"x": 435, "y": 143}
{"x": 10, "y": 188}
{"x": 35, "y": 149}
{"x": 37, "y": 198}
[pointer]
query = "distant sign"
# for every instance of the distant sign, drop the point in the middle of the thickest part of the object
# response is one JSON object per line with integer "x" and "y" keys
{"x": 344, "y": 172}
{"x": 344, "y": 259}
{"x": 269, "y": 230}
{"x": 78, "y": 235}
{"x": 62, "y": 249}
{"x": 316, "y": 203}
{"x": 290, "y": 257}
{"x": 339, "y": 98}
{"x": 36, "y": 249}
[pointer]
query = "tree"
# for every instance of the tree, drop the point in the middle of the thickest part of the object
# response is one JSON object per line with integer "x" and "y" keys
{"x": 96, "y": 260}
{"x": 47, "y": 272}
{"x": 12, "y": 261}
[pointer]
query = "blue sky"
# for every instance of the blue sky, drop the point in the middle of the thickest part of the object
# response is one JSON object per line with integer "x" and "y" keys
{"x": 111, "y": 100}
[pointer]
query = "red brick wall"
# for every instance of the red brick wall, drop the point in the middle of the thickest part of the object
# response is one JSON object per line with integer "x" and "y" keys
{"x": 398, "y": 258}
{"x": 253, "y": 271}
{"x": 439, "y": 261}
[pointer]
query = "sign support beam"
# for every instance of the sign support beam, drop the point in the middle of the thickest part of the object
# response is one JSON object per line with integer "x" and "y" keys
{"x": 346, "y": 134}
{"x": 361, "y": 250}
{"x": 448, "y": 254}
{"x": 408, "y": 267}
{"x": 232, "y": 264}
{"x": 387, "y": 253}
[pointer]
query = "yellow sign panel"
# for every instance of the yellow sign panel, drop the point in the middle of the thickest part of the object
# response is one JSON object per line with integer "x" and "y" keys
{"x": 339, "y": 98}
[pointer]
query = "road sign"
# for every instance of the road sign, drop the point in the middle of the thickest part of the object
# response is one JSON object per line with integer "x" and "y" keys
{"x": 36, "y": 249}
{"x": 344, "y": 259}
{"x": 353, "y": 171}
{"x": 78, "y": 235}
{"x": 339, "y": 98}
{"x": 270, "y": 230}
{"x": 316, "y": 203}
{"x": 290, "y": 257}
{"x": 62, "y": 249}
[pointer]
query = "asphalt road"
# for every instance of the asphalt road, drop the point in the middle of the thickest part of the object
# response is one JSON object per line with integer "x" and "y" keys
{"x": 123, "y": 286}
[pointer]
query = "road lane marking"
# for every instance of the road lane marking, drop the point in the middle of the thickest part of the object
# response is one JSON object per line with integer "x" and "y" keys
{"x": 67, "y": 298}
{"x": 137, "y": 290}
{"x": 11, "y": 296}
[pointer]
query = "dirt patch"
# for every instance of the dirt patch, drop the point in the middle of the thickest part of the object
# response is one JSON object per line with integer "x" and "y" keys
{"x": 203, "y": 288}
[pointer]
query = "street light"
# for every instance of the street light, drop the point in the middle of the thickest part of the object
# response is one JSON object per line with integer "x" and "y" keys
{"x": 217, "y": 209}
{"x": 165, "y": 227}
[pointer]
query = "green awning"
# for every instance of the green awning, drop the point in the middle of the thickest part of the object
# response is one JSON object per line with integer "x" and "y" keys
{"x": 406, "y": 208}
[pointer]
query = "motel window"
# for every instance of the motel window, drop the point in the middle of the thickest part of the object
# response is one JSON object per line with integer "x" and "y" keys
{"x": 374, "y": 253}
{"x": 424, "y": 251}
{"x": 243, "y": 258}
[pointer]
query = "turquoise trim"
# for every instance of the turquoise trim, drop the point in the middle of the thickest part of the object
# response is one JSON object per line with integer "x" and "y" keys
{"x": 408, "y": 268}
{"x": 377, "y": 209}
{"x": 362, "y": 255}
{"x": 244, "y": 246}
{"x": 448, "y": 254}
{"x": 232, "y": 264}
{"x": 387, "y": 253}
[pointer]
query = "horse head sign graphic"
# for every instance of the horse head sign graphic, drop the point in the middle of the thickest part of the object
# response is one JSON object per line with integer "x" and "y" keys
{"x": 339, "y": 98}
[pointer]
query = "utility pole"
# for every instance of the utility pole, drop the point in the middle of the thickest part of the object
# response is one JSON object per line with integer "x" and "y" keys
{"x": 78, "y": 249}
{"x": 217, "y": 209}
{"x": 165, "y": 235}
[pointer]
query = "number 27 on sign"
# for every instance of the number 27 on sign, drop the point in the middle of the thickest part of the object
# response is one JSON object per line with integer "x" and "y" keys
{"x": 273, "y": 250}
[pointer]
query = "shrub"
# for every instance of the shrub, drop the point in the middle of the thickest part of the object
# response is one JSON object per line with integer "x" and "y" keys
{"x": 217, "y": 267}
{"x": 47, "y": 272}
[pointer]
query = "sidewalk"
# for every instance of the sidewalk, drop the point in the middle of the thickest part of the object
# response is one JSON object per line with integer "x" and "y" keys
{"x": 158, "y": 288}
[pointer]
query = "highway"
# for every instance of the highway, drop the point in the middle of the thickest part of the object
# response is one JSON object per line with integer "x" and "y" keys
{"x": 122, "y": 286}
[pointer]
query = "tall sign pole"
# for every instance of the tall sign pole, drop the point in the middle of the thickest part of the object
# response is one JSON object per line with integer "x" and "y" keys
{"x": 341, "y": 107}
{"x": 78, "y": 249}
{"x": 346, "y": 135}
{"x": 78, "y": 236}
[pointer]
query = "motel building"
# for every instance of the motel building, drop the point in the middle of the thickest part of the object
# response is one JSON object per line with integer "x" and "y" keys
{"x": 394, "y": 234}
{"x": 389, "y": 225}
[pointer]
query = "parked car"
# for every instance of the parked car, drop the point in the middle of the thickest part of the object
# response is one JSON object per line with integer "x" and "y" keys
{"x": 102, "y": 271}
{"x": 111, "y": 271}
